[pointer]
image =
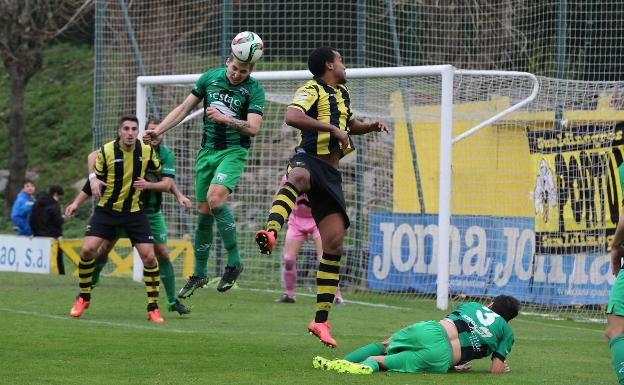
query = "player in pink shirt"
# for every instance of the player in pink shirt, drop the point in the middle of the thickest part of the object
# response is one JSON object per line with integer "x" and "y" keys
{"x": 300, "y": 225}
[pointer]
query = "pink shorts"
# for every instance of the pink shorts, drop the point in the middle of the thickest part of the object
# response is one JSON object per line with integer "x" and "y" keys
{"x": 299, "y": 228}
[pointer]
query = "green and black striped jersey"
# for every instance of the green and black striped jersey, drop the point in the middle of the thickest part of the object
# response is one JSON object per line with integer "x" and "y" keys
{"x": 482, "y": 332}
{"x": 232, "y": 100}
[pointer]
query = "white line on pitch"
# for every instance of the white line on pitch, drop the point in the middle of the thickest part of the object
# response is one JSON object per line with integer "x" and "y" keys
{"x": 164, "y": 329}
{"x": 370, "y": 304}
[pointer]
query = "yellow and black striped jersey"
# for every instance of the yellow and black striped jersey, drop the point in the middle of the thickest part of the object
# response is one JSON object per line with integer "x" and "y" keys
{"x": 119, "y": 169}
{"x": 326, "y": 104}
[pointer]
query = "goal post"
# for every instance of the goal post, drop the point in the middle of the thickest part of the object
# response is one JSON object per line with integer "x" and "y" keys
{"x": 427, "y": 94}
{"x": 446, "y": 150}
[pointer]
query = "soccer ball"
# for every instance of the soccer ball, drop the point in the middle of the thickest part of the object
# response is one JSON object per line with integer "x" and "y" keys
{"x": 247, "y": 47}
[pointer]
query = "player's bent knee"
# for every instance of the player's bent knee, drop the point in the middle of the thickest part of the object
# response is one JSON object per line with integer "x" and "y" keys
{"x": 615, "y": 326}
{"x": 613, "y": 331}
{"x": 333, "y": 246}
{"x": 150, "y": 262}
{"x": 160, "y": 250}
{"x": 204, "y": 208}
{"x": 214, "y": 202}
{"x": 289, "y": 264}
{"x": 300, "y": 178}
{"x": 87, "y": 253}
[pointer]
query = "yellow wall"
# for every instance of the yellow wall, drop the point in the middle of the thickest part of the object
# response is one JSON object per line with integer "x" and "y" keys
{"x": 121, "y": 257}
{"x": 492, "y": 172}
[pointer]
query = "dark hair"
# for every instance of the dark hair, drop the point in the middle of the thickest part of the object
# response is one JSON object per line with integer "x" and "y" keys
{"x": 318, "y": 58}
{"x": 152, "y": 120}
{"x": 129, "y": 117}
{"x": 28, "y": 181}
{"x": 505, "y": 306}
{"x": 56, "y": 189}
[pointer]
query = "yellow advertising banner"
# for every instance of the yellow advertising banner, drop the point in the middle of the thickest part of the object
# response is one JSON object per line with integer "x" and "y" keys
{"x": 577, "y": 194}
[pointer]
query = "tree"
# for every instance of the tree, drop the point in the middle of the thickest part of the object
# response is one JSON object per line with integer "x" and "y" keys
{"x": 26, "y": 27}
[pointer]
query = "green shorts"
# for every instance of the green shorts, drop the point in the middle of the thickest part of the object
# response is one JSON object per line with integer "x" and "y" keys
{"x": 616, "y": 298}
{"x": 222, "y": 167}
{"x": 421, "y": 347}
{"x": 157, "y": 225}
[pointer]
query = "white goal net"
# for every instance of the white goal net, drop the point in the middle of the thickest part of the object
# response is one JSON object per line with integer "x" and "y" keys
{"x": 534, "y": 196}
{"x": 475, "y": 189}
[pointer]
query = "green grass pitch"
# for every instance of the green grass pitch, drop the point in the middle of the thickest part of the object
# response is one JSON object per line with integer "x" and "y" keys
{"x": 243, "y": 337}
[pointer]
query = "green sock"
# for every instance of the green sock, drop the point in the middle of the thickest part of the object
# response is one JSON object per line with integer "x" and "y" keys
{"x": 227, "y": 231}
{"x": 372, "y": 363}
{"x": 100, "y": 262}
{"x": 203, "y": 243}
{"x": 359, "y": 355}
{"x": 617, "y": 357}
{"x": 167, "y": 276}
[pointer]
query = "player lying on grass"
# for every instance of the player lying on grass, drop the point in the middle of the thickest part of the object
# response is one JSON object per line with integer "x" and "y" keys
{"x": 470, "y": 332}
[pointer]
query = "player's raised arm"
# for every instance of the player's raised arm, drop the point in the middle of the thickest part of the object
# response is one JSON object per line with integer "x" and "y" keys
{"x": 175, "y": 116}
{"x": 249, "y": 127}
{"x": 298, "y": 119}
{"x": 358, "y": 127}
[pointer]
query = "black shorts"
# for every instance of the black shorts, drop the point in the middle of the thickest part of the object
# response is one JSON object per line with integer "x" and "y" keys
{"x": 325, "y": 193}
{"x": 104, "y": 224}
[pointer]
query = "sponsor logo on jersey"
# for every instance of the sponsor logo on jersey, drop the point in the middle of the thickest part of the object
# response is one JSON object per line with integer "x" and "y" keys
{"x": 225, "y": 99}
{"x": 225, "y": 110}
{"x": 301, "y": 97}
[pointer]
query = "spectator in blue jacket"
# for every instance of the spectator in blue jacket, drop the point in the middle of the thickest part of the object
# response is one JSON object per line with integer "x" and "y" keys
{"x": 22, "y": 207}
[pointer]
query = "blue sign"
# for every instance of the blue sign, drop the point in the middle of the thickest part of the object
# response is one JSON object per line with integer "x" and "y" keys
{"x": 488, "y": 256}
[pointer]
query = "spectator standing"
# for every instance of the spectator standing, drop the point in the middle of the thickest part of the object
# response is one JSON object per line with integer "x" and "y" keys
{"x": 20, "y": 213}
{"x": 46, "y": 219}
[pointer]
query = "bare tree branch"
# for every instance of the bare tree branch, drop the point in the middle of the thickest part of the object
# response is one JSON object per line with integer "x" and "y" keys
{"x": 75, "y": 16}
{"x": 26, "y": 27}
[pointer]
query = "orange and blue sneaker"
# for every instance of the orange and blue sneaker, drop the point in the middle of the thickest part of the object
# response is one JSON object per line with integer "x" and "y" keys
{"x": 265, "y": 240}
{"x": 155, "y": 316}
{"x": 344, "y": 366}
{"x": 321, "y": 330}
{"x": 79, "y": 307}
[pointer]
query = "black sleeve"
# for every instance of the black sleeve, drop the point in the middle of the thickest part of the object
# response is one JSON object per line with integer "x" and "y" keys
{"x": 57, "y": 217}
{"x": 498, "y": 355}
{"x": 87, "y": 188}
